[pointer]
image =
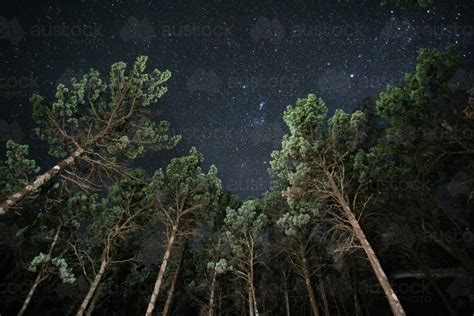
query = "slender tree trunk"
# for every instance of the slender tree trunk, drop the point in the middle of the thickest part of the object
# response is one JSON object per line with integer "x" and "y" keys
{"x": 13, "y": 199}
{"x": 39, "y": 276}
{"x": 161, "y": 273}
{"x": 213, "y": 283}
{"x": 323, "y": 295}
{"x": 250, "y": 301}
{"x": 38, "y": 280}
{"x": 254, "y": 299}
{"x": 323, "y": 290}
{"x": 287, "y": 297}
{"x": 169, "y": 298}
{"x": 93, "y": 302}
{"x": 307, "y": 281}
{"x": 93, "y": 287}
{"x": 212, "y": 293}
{"x": 392, "y": 298}
{"x": 334, "y": 297}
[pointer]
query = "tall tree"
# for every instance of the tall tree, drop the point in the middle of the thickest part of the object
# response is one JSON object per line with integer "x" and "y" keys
{"x": 182, "y": 196}
{"x": 114, "y": 221}
{"x": 243, "y": 232}
{"x": 317, "y": 162}
{"x": 61, "y": 218}
{"x": 95, "y": 123}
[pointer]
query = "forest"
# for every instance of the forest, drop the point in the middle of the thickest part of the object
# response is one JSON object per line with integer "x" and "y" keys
{"x": 369, "y": 212}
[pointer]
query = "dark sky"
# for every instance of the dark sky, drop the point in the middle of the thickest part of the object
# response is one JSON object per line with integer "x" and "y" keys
{"x": 236, "y": 65}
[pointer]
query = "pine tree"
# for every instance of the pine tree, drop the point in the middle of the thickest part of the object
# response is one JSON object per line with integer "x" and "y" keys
{"x": 96, "y": 123}
{"x": 317, "y": 162}
{"x": 181, "y": 196}
{"x": 243, "y": 232}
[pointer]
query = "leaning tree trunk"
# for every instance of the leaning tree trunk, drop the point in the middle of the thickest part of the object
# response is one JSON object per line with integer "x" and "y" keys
{"x": 38, "y": 280}
{"x": 307, "y": 281}
{"x": 392, "y": 298}
{"x": 161, "y": 273}
{"x": 13, "y": 199}
{"x": 169, "y": 298}
{"x": 103, "y": 266}
{"x": 39, "y": 277}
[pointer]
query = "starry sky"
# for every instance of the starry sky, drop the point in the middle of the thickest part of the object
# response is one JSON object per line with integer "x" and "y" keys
{"x": 236, "y": 65}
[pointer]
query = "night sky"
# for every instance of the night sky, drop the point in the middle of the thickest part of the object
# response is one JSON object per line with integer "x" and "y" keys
{"x": 236, "y": 65}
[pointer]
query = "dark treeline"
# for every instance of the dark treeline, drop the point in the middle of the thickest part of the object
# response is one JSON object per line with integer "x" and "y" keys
{"x": 369, "y": 212}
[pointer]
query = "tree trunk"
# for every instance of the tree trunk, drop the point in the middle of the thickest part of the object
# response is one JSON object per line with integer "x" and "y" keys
{"x": 212, "y": 293}
{"x": 392, "y": 298}
{"x": 39, "y": 277}
{"x": 334, "y": 297}
{"x": 161, "y": 273}
{"x": 93, "y": 302}
{"x": 323, "y": 290}
{"x": 93, "y": 287}
{"x": 13, "y": 199}
{"x": 254, "y": 299}
{"x": 307, "y": 281}
{"x": 250, "y": 301}
{"x": 169, "y": 298}
{"x": 213, "y": 283}
{"x": 287, "y": 297}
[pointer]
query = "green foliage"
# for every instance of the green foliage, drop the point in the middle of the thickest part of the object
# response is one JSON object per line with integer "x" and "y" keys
{"x": 16, "y": 171}
{"x": 244, "y": 225}
{"x": 220, "y": 266}
{"x": 105, "y": 116}
{"x": 423, "y": 95}
{"x": 197, "y": 190}
{"x": 43, "y": 261}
